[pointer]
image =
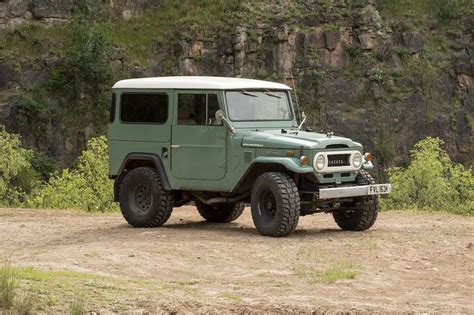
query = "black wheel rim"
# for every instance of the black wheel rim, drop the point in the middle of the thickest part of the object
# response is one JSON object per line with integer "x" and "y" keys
{"x": 141, "y": 199}
{"x": 267, "y": 204}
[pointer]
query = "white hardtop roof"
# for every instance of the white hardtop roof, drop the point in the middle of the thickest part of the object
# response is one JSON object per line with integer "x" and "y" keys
{"x": 202, "y": 83}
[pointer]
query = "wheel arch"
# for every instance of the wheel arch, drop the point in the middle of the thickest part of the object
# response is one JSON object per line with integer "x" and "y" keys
{"x": 255, "y": 170}
{"x": 135, "y": 160}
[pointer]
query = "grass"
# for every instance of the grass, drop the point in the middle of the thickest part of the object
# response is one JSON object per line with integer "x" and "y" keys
{"x": 77, "y": 307}
{"x": 32, "y": 40}
{"x": 141, "y": 37}
{"x": 187, "y": 283}
{"x": 339, "y": 272}
{"x": 331, "y": 274}
{"x": 424, "y": 12}
{"x": 230, "y": 296}
{"x": 11, "y": 301}
{"x": 34, "y": 290}
{"x": 56, "y": 290}
{"x": 8, "y": 284}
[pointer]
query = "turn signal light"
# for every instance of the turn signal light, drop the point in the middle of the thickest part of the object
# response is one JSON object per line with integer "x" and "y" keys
{"x": 368, "y": 156}
{"x": 304, "y": 160}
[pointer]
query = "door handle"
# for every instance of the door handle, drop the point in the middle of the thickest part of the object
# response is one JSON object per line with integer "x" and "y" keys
{"x": 175, "y": 146}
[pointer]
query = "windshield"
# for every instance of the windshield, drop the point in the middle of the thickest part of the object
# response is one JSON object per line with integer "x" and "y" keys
{"x": 258, "y": 105}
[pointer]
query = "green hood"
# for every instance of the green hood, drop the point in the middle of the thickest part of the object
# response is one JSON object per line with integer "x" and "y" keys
{"x": 294, "y": 140}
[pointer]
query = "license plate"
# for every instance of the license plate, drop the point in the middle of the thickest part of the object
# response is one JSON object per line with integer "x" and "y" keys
{"x": 379, "y": 189}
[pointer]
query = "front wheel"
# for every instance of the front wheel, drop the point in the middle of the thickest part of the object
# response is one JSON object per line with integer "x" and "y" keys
{"x": 363, "y": 218}
{"x": 275, "y": 204}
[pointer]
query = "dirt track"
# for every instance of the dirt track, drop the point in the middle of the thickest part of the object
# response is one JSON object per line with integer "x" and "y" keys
{"x": 406, "y": 263}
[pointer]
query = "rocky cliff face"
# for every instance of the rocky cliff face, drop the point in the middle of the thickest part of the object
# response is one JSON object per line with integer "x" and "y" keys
{"x": 384, "y": 81}
{"x": 15, "y": 13}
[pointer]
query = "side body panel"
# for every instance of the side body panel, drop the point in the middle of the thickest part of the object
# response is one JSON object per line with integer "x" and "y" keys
{"x": 126, "y": 138}
{"x": 198, "y": 152}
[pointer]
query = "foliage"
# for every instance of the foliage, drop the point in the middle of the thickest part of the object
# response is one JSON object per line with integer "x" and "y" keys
{"x": 32, "y": 114}
{"x": 16, "y": 175}
{"x": 444, "y": 11}
{"x": 85, "y": 187}
{"x": 331, "y": 274}
{"x": 431, "y": 182}
{"x": 7, "y": 286}
{"x": 172, "y": 23}
{"x": 85, "y": 68}
{"x": 77, "y": 306}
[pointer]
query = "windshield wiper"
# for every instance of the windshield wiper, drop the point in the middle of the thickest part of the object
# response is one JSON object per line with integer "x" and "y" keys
{"x": 247, "y": 93}
{"x": 269, "y": 93}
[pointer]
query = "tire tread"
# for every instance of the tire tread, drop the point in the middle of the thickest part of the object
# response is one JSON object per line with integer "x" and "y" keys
{"x": 290, "y": 201}
{"x": 165, "y": 201}
{"x": 364, "y": 218}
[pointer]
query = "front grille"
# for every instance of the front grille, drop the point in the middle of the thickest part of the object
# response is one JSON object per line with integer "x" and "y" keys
{"x": 335, "y": 160}
{"x": 336, "y": 146}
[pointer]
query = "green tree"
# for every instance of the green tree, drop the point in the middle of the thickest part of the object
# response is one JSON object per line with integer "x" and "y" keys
{"x": 80, "y": 84}
{"x": 432, "y": 181}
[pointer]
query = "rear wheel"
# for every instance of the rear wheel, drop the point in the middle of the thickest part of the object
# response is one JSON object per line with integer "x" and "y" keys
{"x": 275, "y": 204}
{"x": 143, "y": 201}
{"x": 363, "y": 218}
{"x": 220, "y": 213}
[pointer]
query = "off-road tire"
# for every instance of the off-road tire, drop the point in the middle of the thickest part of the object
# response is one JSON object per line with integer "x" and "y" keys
{"x": 275, "y": 204}
{"x": 143, "y": 201}
{"x": 220, "y": 213}
{"x": 363, "y": 218}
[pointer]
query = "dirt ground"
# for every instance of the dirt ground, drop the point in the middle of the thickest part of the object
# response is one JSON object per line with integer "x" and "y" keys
{"x": 408, "y": 262}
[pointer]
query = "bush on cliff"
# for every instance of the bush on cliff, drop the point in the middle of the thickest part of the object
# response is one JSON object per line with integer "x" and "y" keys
{"x": 431, "y": 182}
{"x": 84, "y": 187}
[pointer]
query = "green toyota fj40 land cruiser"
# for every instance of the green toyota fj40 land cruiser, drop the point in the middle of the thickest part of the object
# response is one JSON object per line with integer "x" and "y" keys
{"x": 224, "y": 142}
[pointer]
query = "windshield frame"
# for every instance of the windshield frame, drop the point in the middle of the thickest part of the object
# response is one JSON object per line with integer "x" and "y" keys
{"x": 286, "y": 93}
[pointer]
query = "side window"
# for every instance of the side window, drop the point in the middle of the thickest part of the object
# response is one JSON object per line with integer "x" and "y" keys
{"x": 112, "y": 108}
{"x": 144, "y": 108}
{"x": 191, "y": 109}
{"x": 197, "y": 109}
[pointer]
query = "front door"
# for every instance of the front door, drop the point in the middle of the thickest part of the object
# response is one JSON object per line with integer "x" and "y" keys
{"x": 198, "y": 143}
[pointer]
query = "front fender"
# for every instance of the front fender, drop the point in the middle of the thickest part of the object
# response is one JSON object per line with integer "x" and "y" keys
{"x": 293, "y": 164}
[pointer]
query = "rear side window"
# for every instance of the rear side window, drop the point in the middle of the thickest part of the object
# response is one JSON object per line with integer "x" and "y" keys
{"x": 144, "y": 108}
{"x": 112, "y": 109}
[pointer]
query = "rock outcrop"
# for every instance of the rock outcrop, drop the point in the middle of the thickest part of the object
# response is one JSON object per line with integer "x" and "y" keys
{"x": 14, "y": 13}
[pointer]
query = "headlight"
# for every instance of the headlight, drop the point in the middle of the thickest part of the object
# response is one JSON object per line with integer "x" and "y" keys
{"x": 320, "y": 162}
{"x": 357, "y": 160}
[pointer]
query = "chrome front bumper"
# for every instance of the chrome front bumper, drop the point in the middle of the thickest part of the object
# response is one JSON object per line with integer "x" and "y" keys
{"x": 354, "y": 191}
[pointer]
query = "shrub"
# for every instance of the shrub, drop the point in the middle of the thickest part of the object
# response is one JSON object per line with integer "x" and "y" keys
{"x": 432, "y": 182}
{"x": 16, "y": 174}
{"x": 85, "y": 187}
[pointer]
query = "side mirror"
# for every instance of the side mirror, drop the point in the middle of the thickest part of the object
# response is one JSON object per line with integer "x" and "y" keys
{"x": 220, "y": 117}
{"x": 303, "y": 120}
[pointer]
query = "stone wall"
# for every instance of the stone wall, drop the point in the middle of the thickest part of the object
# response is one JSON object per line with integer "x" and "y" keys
{"x": 14, "y": 13}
